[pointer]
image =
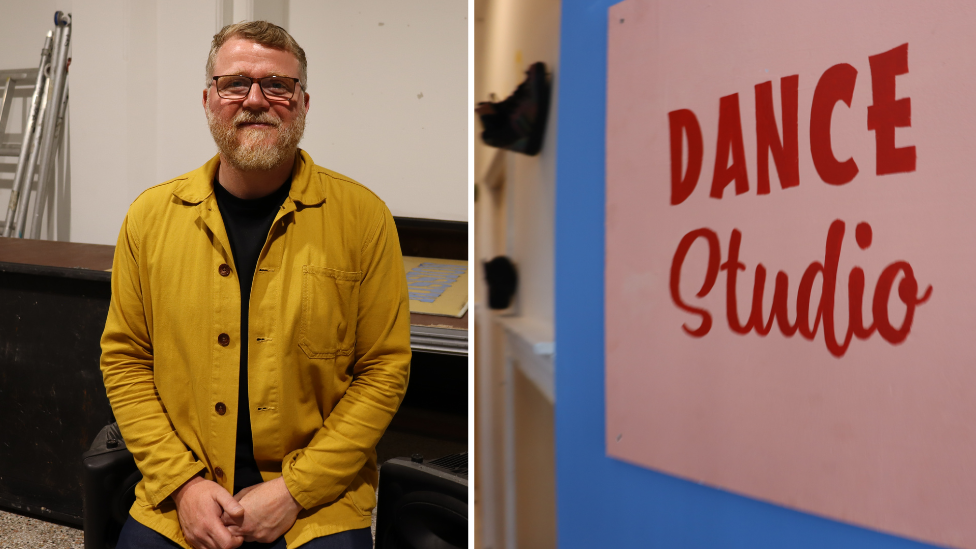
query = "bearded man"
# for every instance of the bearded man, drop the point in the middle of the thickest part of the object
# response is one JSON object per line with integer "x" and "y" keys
{"x": 258, "y": 343}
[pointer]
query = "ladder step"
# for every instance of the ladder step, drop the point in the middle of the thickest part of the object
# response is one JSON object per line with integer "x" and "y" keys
{"x": 27, "y": 75}
{"x": 10, "y": 150}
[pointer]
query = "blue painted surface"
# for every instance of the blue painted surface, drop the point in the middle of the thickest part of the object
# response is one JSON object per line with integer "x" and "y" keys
{"x": 602, "y": 502}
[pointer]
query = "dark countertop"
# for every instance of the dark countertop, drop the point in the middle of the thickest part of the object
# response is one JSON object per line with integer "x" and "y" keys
{"x": 94, "y": 261}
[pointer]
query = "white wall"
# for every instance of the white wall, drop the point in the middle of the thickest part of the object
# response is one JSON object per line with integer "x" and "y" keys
{"x": 389, "y": 101}
{"x": 22, "y": 29}
{"x": 138, "y": 72}
{"x": 136, "y": 79}
{"x": 513, "y": 35}
{"x": 514, "y": 216}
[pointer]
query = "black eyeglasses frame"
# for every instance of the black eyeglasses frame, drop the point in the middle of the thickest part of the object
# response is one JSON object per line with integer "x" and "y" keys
{"x": 259, "y": 82}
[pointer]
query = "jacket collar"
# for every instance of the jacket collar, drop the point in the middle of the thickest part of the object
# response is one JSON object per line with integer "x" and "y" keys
{"x": 306, "y": 186}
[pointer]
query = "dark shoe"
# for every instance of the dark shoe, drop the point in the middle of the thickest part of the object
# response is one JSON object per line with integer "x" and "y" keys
{"x": 519, "y": 122}
{"x": 502, "y": 279}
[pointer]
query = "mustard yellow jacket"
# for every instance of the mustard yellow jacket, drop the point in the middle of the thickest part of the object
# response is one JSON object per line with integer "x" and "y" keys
{"x": 328, "y": 360}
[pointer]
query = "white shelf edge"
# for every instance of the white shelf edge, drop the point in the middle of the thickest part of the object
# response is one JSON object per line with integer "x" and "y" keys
{"x": 531, "y": 342}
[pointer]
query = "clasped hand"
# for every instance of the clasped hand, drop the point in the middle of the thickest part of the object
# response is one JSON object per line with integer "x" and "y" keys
{"x": 213, "y": 519}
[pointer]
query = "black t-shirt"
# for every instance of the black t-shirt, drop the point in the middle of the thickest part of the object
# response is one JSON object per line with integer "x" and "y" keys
{"x": 247, "y": 223}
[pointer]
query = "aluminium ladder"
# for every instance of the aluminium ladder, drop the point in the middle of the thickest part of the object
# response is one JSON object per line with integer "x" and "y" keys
{"x": 41, "y": 145}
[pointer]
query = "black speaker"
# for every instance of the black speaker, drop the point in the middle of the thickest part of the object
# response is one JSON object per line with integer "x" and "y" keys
{"x": 423, "y": 505}
{"x": 110, "y": 478}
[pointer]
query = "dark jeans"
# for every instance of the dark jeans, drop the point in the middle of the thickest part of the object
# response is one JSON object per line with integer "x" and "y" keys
{"x": 136, "y": 536}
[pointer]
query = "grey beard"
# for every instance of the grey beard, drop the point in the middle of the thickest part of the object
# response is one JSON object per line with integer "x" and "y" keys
{"x": 246, "y": 150}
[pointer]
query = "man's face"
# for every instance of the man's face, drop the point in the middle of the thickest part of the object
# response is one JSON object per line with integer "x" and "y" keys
{"x": 254, "y": 133}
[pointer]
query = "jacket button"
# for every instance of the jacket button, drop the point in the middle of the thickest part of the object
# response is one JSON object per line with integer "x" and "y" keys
{"x": 224, "y": 269}
{"x": 218, "y": 472}
{"x": 221, "y": 409}
{"x": 223, "y": 339}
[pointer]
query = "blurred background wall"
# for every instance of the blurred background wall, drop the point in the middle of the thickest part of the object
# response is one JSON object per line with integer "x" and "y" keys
{"x": 514, "y": 359}
{"x": 387, "y": 79}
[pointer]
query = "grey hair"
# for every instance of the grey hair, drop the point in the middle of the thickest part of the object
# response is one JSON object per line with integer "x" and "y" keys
{"x": 264, "y": 33}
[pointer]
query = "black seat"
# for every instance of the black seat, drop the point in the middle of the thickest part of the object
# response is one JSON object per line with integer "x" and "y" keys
{"x": 423, "y": 504}
{"x": 110, "y": 480}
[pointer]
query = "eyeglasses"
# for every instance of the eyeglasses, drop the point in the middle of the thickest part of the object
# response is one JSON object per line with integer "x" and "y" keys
{"x": 274, "y": 88}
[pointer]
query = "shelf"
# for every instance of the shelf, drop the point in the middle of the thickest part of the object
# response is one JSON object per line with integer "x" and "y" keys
{"x": 531, "y": 342}
{"x": 439, "y": 334}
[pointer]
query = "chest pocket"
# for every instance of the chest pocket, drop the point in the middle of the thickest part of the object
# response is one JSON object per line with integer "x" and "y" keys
{"x": 330, "y": 306}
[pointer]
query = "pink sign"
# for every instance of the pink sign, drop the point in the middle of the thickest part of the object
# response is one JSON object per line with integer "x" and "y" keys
{"x": 791, "y": 242}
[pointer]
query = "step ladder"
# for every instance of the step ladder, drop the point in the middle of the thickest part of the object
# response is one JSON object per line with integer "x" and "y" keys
{"x": 39, "y": 142}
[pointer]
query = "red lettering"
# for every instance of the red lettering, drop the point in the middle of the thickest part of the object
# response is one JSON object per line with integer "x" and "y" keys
{"x": 684, "y": 122}
{"x": 855, "y": 292}
{"x": 732, "y": 268}
{"x": 855, "y": 287}
{"x": 710, "y": 275}
{"x": 836, "y": 84}
{"x": 729, "y": 140}
{"x": 779, "y": 310}
{"x": 755, "y": 322}
{"x": 888, "y": 113}
{"x": 907, "y": 292}
{"x": 835, "y": 238}
{"x": 786, "y": 152}
{"x": 803, "y": 296}
{"x": 755, "y": 317}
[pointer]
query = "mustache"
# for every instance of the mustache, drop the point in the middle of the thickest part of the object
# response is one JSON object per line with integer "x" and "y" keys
{"x": 249, "y": 117}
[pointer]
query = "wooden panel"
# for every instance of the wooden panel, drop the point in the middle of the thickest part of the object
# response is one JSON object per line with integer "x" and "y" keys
{"x": 53, "y": 398}
{"x": 433, "y": 238}
{"x": 73, "y": 255}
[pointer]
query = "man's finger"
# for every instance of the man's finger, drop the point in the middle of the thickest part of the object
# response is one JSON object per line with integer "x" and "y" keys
{"x": 231, "y": 521}
{"x": 222, "y": 538}
{"x": 230, "y": 505}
